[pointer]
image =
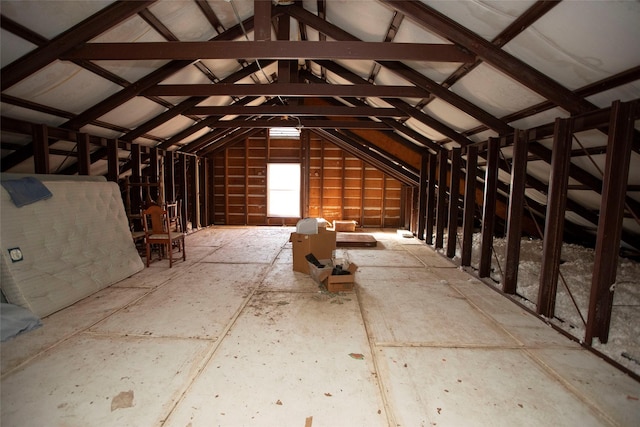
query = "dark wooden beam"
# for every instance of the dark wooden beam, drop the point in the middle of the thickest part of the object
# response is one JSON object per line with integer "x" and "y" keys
{"x": 610, "y": 224}
{"x": 489, "y": 207}
{"x": 113, "y": 163}
{"x": 304, "y": 123}
{"x": 294, "y": 110}
{"x": 441, "y": 207}
{"x": 515, "y": 212}
{"x": 284, "y": 89}
{"x": 277, "y": 49}
{"x": 84, "y": 154}
{"x": 422, "y": 195}
{"x": 262, "y": 19}
{"x": 469, "y": 205}
{"x": 454, "y": 208}
{"x": 41, "y": 149}
{"x": 554, "y": 219}
{"x": 431, "y": 199}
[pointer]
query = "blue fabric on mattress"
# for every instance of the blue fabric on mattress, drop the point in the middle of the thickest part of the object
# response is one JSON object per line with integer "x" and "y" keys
{"x": 26, "y": 190}
{"x": 15, "y": 320}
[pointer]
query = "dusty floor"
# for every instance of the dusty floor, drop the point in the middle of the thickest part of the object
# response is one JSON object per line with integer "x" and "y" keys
{"x": 234, "y": 337}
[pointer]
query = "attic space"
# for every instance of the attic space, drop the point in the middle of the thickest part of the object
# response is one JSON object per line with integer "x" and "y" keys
{"x": 476, "y": 163}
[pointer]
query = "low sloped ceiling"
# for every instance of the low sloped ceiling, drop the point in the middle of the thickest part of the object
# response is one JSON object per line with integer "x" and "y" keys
{"x": 520, "y": 65}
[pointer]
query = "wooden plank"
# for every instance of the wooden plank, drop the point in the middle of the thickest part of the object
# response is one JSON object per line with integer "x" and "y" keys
{"x": 516, "y": 209}
{"x": 355, "y": 240}
{"x": 489, "y": 207}
{"x": 442, "y": 198}
{"x": 41, "y": 149}
{"x": 554, "y": 221}
{"x": 469, "y": 205}
{"x": 616, "y": 175}
{"x": 454, "y": 193}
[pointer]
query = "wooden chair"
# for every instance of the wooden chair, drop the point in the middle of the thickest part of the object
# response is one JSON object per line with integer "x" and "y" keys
{"x": 173, "y": 212}
{"x": 157, "y": 231}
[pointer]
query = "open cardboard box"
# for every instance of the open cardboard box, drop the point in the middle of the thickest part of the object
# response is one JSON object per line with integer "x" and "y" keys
{"x": 334, "y": 283}
{"x": 322, "y": 245}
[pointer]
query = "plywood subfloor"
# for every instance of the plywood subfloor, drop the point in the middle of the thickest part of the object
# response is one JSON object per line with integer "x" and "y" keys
{"x": 234, "y": 337}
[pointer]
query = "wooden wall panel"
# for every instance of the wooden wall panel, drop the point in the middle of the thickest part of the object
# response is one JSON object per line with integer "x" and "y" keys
{"x": 341, "y": 186}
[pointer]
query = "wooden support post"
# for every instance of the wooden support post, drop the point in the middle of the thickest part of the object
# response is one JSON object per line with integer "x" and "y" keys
{"x": 489, "y": 207}
{"x": 554, "y": 220}
{"x": 614, "y": 188}
{"x": 169, "y": 176}
{"x": 284, "y": 33}
{"x": 84, "y": 154}
{"x": 211, "y": 190}
{"x": 422, "y": 195}
{"x": 154, "y": 173}
{"x": 204, "y": 196}
{"x": 262, "y": 20}
{"x": 195, "y": 190}
{"x": 454, "y": 194}
{"x": 113, "y": 163}
{"x": 305, "y": 161}
{"x": 469, "y": 205}
{"x": 41, "y": 149}
{"x": 443, "y": 165}
{"x": 516, "y": 210}
{"x": 431, "y": 199}
{"x": 181, "y": 192}
{"x": 136, "y": 178}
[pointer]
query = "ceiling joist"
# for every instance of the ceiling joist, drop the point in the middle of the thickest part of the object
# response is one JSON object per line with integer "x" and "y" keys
{"x": 278, "y": 49}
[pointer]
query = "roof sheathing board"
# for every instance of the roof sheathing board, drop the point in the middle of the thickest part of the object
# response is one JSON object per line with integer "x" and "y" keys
{"x": 51, "y": 18}
{"x": 371, "y": 24}
{"x": 495, "y": 92}
{"x": 65, "y": 86}
{"x": 486, "y": 18}
{"x": 184, "y": 19}
{"x": 602, "y": 40}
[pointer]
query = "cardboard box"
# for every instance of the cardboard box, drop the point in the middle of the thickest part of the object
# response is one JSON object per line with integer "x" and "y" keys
{"x": 342, "y": 225}
{"x": 337, "y": 283}
{"x": 321, "y": 245}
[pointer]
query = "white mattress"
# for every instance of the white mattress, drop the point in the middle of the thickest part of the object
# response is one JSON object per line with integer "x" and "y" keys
{"x": 73, "y": 244}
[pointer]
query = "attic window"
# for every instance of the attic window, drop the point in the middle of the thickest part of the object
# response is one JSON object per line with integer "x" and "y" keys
{"x": 284, "y": 133}
{"x": 283, "y": 190}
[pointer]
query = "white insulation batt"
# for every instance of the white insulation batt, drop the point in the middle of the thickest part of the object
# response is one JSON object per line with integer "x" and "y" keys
{"x": 72, "y": 244}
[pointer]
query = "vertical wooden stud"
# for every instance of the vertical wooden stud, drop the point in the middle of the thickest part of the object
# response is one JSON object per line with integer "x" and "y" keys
{"x": 554, "y": 220}
{"x": 431, "y": 199}
{"x": 454, "y": 194}
{"x": 41, "y": 149}
{"x": 113, "y": 163}
{"x": 515, "y": 212}
{"x": 469, "y": 205}
{"x": 489, "y": 207}
{"x": 441, "y": 207}
{"x": 84, "y": 154}
{"x": 614, "y": 186}
{"x": 422, "y": 195}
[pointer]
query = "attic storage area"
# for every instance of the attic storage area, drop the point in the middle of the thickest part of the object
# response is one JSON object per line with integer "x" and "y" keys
{"x": 489, "y": 147}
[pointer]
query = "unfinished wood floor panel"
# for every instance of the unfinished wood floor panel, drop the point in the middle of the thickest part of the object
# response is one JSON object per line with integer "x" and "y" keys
{"x": 197, "y": 304}
{"x": 288, "y": 357}
{"x": 234, "y": 337}
{"x": 65, "y": 323}
{"x": 477, "y": 387}
{"x": 101, "y": 381}
{"x": 262, "y": 246}
{"x": 400, "y": 312}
